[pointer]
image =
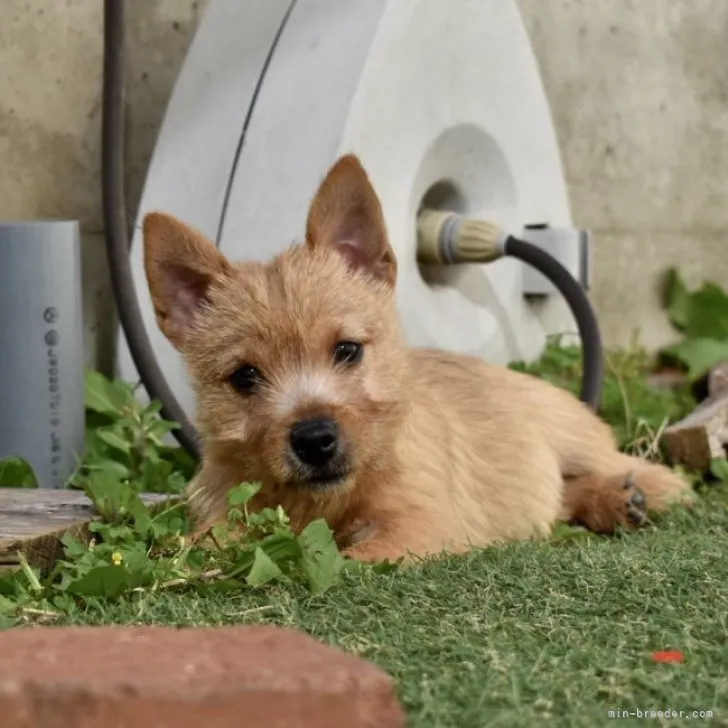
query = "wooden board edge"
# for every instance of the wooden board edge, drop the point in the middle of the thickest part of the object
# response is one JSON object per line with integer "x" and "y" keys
{"x": 43, "y": 551}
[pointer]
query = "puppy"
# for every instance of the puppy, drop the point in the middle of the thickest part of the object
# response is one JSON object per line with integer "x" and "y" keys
{"x": 304, "y": 384}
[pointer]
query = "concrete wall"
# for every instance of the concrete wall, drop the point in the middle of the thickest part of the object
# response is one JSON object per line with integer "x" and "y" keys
{"x": 638, "y": 90}
{"x": 639, "y": 95}
{"x": 50, "y": 121}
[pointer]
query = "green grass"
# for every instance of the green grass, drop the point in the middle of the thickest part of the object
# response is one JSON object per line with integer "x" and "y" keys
{"x": 552, "y": 634}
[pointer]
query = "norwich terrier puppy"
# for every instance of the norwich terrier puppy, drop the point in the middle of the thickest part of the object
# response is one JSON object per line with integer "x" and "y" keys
{"x": 304, "y": 384}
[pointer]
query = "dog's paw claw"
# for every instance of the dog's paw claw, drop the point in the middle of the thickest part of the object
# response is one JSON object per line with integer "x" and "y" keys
{"x": 636, "y": 505}
{"x": 629, "y": 482}
{"x": 636, "y": 516}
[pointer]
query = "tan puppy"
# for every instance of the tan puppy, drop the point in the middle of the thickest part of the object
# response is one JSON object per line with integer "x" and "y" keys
{"x": 304, "y": 384}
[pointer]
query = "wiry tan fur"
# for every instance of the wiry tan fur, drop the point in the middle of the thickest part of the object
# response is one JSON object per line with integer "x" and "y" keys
{"x": 447, "y": 452}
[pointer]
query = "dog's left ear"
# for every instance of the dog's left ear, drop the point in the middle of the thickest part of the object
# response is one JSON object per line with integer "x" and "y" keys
{"x": 346, "y": 215}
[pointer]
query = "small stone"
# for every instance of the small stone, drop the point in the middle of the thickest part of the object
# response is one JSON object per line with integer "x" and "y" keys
{"x": 162, "y": 677}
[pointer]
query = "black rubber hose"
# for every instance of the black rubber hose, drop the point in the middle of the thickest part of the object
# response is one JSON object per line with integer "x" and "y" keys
{"x": 586, "y": 321}
{"x": 117, "y": 238}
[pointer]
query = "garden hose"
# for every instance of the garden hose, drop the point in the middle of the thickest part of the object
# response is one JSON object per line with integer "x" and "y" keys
{"x": 446, "y": 238}
{"x": 116, "y": 234}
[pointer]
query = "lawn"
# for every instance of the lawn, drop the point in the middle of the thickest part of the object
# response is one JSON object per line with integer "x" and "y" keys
{"x": 552, "y": 634}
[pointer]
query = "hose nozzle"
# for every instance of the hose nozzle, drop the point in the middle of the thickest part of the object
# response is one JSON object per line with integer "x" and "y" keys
{"x": 445, "y": 238}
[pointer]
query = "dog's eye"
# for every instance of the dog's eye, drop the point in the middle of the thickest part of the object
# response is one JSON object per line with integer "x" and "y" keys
{"x": 348, "y": 352}
{"x": 245, "y": 378}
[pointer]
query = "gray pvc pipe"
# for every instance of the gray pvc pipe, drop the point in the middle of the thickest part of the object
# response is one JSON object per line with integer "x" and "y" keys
{"x": 41, "y": 348}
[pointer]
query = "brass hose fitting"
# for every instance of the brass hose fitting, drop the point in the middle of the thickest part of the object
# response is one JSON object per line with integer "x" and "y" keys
{"x": 445, "y": 238}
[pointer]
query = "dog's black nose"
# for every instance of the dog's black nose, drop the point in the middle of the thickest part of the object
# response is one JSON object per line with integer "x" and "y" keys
{"x": 315, "y": 441}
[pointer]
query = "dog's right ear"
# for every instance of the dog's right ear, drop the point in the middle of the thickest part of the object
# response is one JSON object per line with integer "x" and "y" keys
{"x": 180, "y": 265}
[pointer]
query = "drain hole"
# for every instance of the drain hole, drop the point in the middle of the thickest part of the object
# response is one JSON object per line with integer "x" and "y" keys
{"x": 445, "y": 195}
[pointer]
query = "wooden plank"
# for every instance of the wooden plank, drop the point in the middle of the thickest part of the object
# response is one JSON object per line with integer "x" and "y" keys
{"x": 33, "y": 520}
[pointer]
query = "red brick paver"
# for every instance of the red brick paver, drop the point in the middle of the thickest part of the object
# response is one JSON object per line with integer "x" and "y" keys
{"x": 162, "y": 677}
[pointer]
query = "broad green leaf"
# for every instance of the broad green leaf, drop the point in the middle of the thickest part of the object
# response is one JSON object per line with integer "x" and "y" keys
{"x": 699, "y": 314}
{"x": 111, "y": 533}
{"x": 169, "y": 521}
{"x": 708, "y": 313}
{"x": 72, "y": 545}
{"x": 264, "y": 569}
{"x": 180, "y": 459}
{"x": 176, "y": 483}
{"x": 267, "y": 520}
{"x": 153, "y": 408}
{"x": 282, "y": 546}
{"x": 156, "y": 431}
{"x": 235, "y": 514}
{"x": 385, "y": 567}
{"x": 699, "y": 355}
{"x": 103, "y": 581}
{"x": 113, "y": 499}
{"x": 218, "y": 586}
{"x": 677, "y": 300}
{"x": 241, "y": 494}
{"x": 114, "y": 439}
{"x": 17, "y": 473}
{"x": 136, "y": 560}
{"x": 321, "y": 561}
{"x": 114, "y": 468}
{"x": 719, "y": 468}
{"x": 104, "y": 396}
{"x": 8, "y": 622}
{"x": 563, "y": 532}
{"x": 9, "y": 581}
{"x": 7, "y": 606}
{"x": 142, "y": 520}
{"x": 64, "y": 602}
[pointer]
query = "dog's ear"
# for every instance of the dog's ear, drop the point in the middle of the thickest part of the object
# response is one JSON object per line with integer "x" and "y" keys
{"x": 346, "y": 215}
{"x": 180, "y": 265}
